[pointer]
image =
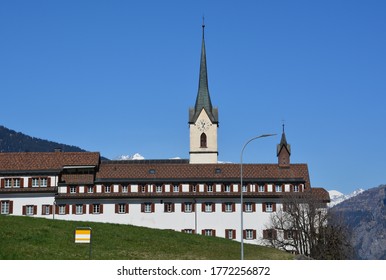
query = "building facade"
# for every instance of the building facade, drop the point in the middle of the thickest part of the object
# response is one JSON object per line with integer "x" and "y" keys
{"x": 197, "y": 195}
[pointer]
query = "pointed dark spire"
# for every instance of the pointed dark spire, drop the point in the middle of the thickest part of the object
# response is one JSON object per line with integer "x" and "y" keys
{"x": 203, "y": 97}
{"x": 283, "y": 150}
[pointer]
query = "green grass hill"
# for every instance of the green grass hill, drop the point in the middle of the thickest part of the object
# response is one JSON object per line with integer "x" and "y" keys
{"x": 27, "y": 238}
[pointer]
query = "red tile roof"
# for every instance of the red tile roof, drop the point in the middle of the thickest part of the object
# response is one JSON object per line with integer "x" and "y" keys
{"x": 183, "y": 171}
{"x": 46, "y": 161}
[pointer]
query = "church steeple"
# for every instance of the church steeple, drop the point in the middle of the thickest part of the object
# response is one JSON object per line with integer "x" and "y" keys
{"x": 203, "y": 97}
{"x": 283, "y": 151}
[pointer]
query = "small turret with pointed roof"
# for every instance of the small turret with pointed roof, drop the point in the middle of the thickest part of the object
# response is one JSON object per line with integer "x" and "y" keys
{"x": 203, "y": 97}
{"x": 283, "y": 151}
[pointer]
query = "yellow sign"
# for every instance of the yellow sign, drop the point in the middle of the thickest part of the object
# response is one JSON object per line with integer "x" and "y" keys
{"x": 82, "y": 235}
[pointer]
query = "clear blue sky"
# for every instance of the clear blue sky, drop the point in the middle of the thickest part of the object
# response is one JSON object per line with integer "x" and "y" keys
{"x": 118, "y": 77}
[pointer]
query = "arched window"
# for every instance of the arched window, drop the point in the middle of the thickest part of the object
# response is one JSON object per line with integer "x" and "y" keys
{"x": 203, "y": 140}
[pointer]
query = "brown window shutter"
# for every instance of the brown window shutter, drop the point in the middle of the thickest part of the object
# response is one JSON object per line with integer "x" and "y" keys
{"x": 253, "y": 207}
{"x": 173, "y": 207}
{"x": 116, "y": 208}
{"x": 203, "y": 232}
{"x": 73, "y": 209}
{"x": 263, "y": 207}
{"x": 254, "y": 234}
{"x": 265, "y": 234}
{"x": 84, "y": 209}
{"x": 101, "y": 209}
{"x": 35, "y": 209}
{"x": 142, "y": 207}
{"x": 213, "y": 232}
{"x": 193, "y": 207}
{"x": 183, "y": 207}
{"x": 265, "y": 188}
{"x": 29, "y": 182}
{"x": 21, "y": 182}
{"x": 2, "y": 183}
{"x": 152, "y": 208}
{"x": 24, "y": 210}
{"x": 67, "y": 209}
{"x": 203, "y": 207}
{"x": 234, "y": 234}
{"x": 244, "y": 234}
{"x": 10, "y": 207}
{"x": 49, "y": 182}
{"x": 127, "y": 208}
{"x": 244, "y": 207}
{"x": 91, "y": 209}
{"x": 223, "y": 206}
{"x": 213, "y": 207}
{"x": 68, "y": 189}
{"x": 274, "y": 207}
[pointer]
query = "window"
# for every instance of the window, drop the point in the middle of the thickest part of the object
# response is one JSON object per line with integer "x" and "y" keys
{"x": 5, "y": 207}
{"x": 90, "y": 189}
{"x": 227, "y": 188}
{"x": 249, "y": 234}
{"x": 193, "y": 188}
{"x": 208, "y": 207}
{"x": 176, "y": 188}
{"x": 269, "y": 207}
{"x": 79, "y": 209}
{"x": 228, "y": 207}
{"x": 143, "y": 189}
{"x": 43, "y": 182}
{"x": 230, "y": 234}
{"x": 35, "y": 182}
{"x": 125, "y": 189}
{"x": 16, "y": 183}
{"x": 96, "y": 209}
{"x": 188, "y": 207}
{"x": 279, "y": 188}
{"x": 190, "y": 231}
{"x": 203, "y": 140}
{"x": 62, "y": 209}
{"x": 72, "y": 189}
{"x": 245, "y": 189}
{"x": 29, "y": 210}
{"x": 46, "y": 209}
{"x": 269, "y": 234}
{"x": 248, "y": 207}
{"x": 107, "y": 189}
{"x": 261, "y": 188}
{"x": 147, "y": 207}
{"x": 168, "y": 207}
{"x": 210, "y": 188}
{"x": 121, "y": 208}
{"x": 209, "y": 232}
{"x": 8, "y": 183}
{"x": 158, "y": 188}
{"x": 296, "y": 188}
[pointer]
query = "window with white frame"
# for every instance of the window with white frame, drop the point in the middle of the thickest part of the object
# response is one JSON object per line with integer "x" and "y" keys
{"x": 46, "y": 209}
{"x": 228, "y": 207}
{"x": 62, "y": 209}
{"x": 125, "y": 189}
{"x": 29, "y": 210}
{"x": 227, "y": 188}
{"x": 8, "y": 183}
{"x": 5, "y": 207}
{"x": 143, "y": 189}
{"x": 208, "y": 232}
{"x": 194, "y": 188}
{"x": 147, "y": 207}
{"x": 279, "y": 188}
{"x": 208, "y": 207}
{"x": 296, "y": 188}
{"x": 248, "y": 207}
{"x": 188, "y": 207}
{"x": 210, "y": 188}
{"x": 122, "y": 208}
{"x": 249, "y": 234}
{"x": 261, "y": 188}
{"x": 158, "y": 188}
{"x": 176, "y": 188}
{"x": 43, "y": 182}
{"x": 190, "y": 231}
{"x": 16, "y": 183}
{"x": 169, "y": 207}
{"x": 96, "y": 209}
{"x": 35, "y": 182}
{"x": 72, "y": 189}
{"x": 90, "y": 189}
{"x": 107, "y": 189}
{"x": 245, "y": 188}
{"x": 79, "y": 209}
{"x": 229, "y": 234}
{"x": 269, "y": 207}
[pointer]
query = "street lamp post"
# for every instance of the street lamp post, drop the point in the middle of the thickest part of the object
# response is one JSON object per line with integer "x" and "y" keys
{"x": 241, "y": 191}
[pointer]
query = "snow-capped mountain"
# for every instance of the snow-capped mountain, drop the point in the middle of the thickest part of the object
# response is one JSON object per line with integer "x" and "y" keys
{"x": 338, "y": 197}
{"x": 135, "y": 156}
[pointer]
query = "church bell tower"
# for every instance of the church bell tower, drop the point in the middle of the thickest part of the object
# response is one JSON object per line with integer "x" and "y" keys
{"x": 203, "y": 119}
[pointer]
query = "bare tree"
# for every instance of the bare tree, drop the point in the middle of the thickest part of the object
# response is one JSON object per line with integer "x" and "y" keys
{"x": 304, "y": 226}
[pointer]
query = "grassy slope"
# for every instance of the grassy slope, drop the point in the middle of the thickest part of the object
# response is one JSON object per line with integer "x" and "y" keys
{"x": 41, "y": 239}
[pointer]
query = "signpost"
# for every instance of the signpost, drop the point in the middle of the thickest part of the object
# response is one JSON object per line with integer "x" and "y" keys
{"x": 83, "y": 235}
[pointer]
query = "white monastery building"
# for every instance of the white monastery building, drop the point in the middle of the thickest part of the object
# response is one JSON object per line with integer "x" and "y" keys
{"x": 198, "y": 195}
